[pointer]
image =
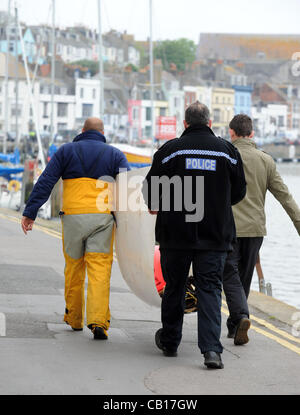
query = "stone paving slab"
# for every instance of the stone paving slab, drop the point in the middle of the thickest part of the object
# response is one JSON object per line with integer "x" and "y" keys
{"x": 42, "y": 355}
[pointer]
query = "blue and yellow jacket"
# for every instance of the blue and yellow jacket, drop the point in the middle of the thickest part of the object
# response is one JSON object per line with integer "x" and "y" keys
{"x": 85, "y": 165}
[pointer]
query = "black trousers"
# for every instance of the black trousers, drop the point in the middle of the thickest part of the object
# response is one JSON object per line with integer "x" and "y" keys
{"x": 238, "y": 272}
{"x": 208, "y": 269}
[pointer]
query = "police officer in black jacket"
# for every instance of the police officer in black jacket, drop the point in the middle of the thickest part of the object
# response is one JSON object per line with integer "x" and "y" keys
{"x": 192, "y": 184}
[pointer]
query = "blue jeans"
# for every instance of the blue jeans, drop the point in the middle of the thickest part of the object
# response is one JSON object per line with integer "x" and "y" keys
{"x": 208, "y": 269}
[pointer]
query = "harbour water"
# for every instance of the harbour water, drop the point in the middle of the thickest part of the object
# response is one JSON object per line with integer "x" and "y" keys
{"x": 280, "y": 253}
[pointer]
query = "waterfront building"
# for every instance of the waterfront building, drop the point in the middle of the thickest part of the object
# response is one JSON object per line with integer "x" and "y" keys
{"x": 242, "y": 99}
{"x": 270, "y": 121}
{"x": 222, "y": 110}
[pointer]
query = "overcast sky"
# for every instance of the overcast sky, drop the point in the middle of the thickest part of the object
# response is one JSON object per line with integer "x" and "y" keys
{"x": 171, "y": 18}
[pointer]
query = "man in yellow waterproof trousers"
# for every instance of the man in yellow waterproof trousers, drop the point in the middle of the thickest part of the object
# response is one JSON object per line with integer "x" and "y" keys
{"x": 87, "y": 166}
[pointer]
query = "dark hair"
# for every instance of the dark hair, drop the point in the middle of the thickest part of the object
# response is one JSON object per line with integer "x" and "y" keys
{"x": 241, "y": 124}
{"x": 197, "y": 113}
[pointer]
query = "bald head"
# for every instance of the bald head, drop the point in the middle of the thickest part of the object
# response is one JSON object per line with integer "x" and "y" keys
{"x": 93, "y": 123}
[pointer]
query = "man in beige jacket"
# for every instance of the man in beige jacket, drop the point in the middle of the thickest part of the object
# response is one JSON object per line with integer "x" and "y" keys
{"x": 250, "y": 220}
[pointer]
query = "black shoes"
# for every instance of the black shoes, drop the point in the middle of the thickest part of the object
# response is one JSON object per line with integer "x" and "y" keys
{"x": 166, "y": 351}
{"x": 231, "y": 332}
{"x": 213, "y": 360}
{"x": 99, "y": 333}
{"x": 241, "y": 336}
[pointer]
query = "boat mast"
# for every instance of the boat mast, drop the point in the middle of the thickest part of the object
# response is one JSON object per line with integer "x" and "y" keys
{"x": 100, "y": 57}
{"x": 151, "y": 80}
{"x": 31, "y": 99}
{"x": 6, "y": 106}
{"x": 52, "y": 73}
{"x": 16, "y": 78}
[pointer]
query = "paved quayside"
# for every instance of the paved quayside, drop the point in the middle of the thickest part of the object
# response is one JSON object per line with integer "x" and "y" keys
{"x": 41, "y": 355}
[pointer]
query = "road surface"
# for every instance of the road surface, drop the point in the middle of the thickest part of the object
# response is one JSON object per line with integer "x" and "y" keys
{"x": 41, "y": 355}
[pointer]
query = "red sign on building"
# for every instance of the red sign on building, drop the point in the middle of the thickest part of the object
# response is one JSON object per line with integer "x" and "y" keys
{"x": 165, "y": 128}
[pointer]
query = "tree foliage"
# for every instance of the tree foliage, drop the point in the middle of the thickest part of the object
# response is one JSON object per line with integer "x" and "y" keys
{"x": 93, "y": 66}
{"x": 132, "y": 67}
{"x": 178, "y": 52}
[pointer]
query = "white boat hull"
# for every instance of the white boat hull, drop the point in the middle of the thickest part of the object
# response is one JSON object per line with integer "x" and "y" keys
{"x": 135, "y": 243}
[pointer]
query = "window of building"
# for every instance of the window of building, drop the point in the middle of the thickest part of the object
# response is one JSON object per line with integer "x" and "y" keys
{"x": 295, "y": 123}
{"x": 162, "y": 112}
{"x": 146, "y": 95}
{"x": 62, "y": 109}
{"x": 16, "y": 110}
{"x": 242, "y": 100}
{"x": 281, "y": 121}
{"x": 217, "y": 100}
{"x": 94, "y": 93}
{"x": 148, "y": 114}
{"x": 81, "y": 92}
{"x": 44, "y": 89}
{"x": 87, "y": 110}
{"x": 148, "y": 130}
{"x": 45, "y": 110}
{"x": 217, "y": 115}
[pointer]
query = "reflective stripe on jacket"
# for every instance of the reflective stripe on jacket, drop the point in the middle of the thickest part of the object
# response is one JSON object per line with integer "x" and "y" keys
{"x": 198, "y": 153}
